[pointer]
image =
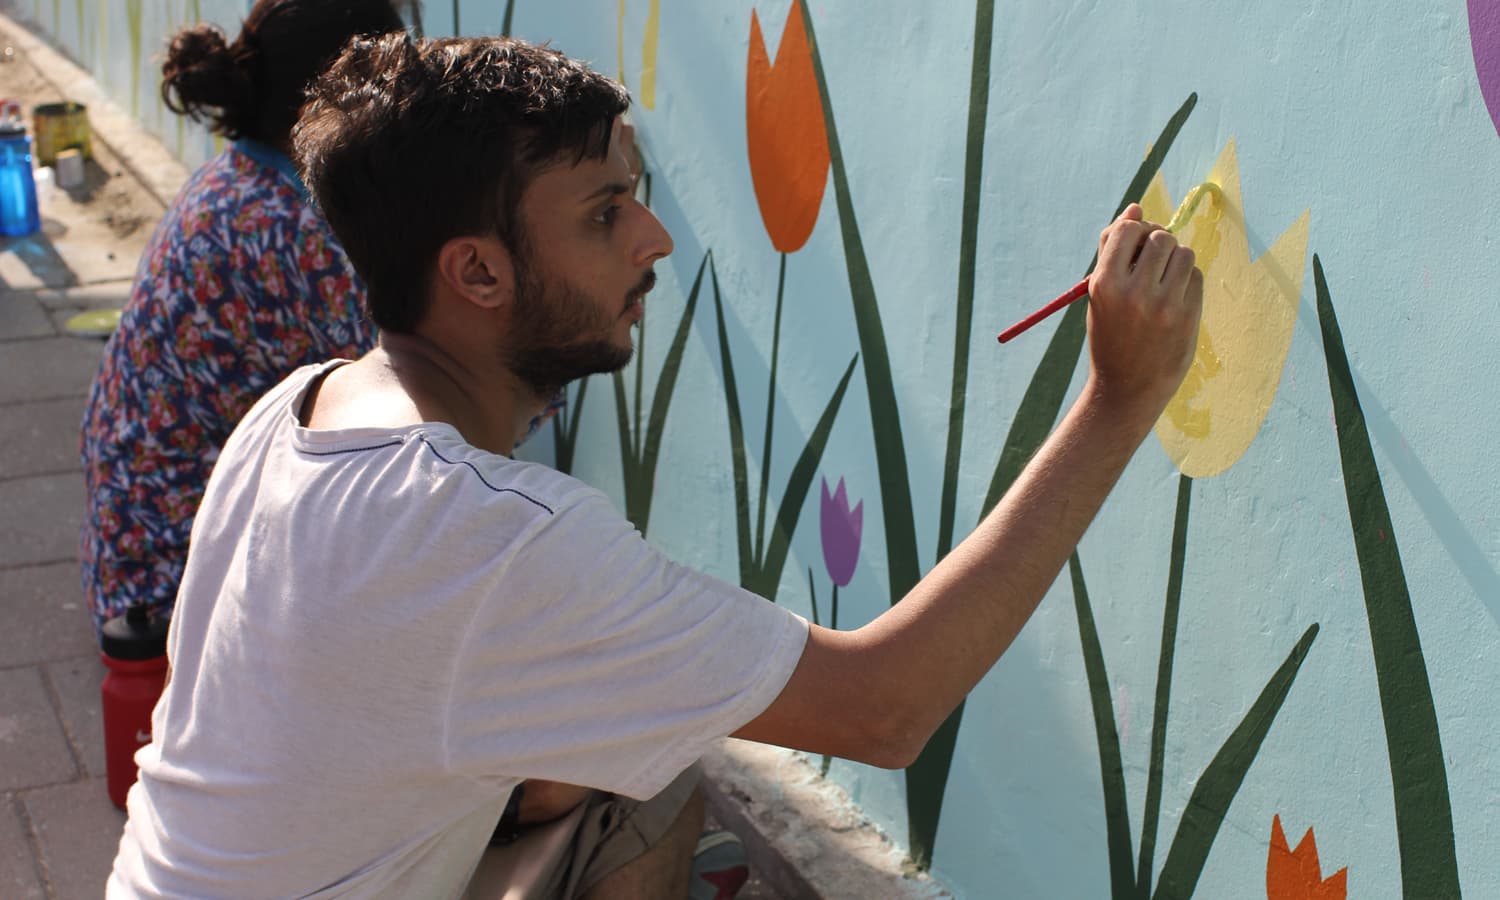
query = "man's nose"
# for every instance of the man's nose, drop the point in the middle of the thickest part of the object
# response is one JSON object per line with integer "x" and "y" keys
{"x": 655, "y": 242}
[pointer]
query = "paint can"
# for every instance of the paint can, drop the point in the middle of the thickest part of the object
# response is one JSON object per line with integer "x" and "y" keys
{"x": 69, "y": 168}
{"x": 61, "y": 126}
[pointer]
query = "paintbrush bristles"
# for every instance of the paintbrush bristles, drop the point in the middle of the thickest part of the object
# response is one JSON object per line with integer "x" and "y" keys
{"x": 1190, "y": 204}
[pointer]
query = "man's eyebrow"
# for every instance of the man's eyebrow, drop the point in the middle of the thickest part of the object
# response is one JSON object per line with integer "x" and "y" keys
{"x": 613, "y": 188}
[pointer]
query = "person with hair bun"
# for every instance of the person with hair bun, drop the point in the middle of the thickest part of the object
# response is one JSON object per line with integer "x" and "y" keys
{"x": 242, "y": 283}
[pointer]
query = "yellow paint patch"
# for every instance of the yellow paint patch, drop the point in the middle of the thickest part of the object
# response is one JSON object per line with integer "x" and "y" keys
{"x": 1249, "y": 310}
{"x": 648, "y": 56}
{"x": 620, "y": 40}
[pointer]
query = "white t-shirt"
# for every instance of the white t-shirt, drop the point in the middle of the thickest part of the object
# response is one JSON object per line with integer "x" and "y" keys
{"x": 381, "y": 631}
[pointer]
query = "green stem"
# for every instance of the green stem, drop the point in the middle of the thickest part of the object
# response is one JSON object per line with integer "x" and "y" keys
{"x": 738, "y": 464}
{"x": 574, "y": 421}
{"x": 812, "y": 591}
{"x": 968, "y": 243}
{"x": 133, "y": 22}
{"x": 1419, "y": 778}
{"x": 765, "y": 456}
{"x": 565, "y": 429}
{"x": 457, "y": 28}
{"x": 1215, "y": 791}
{"x": 510, "y": 8}
{"x": 629, "y": 460}
{"x": 1164, "y": 687}
{"x": 640, "y": 378}
{"x": 1111, "y": 766}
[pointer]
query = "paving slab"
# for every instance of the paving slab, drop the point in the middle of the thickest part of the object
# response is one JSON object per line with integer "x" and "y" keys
{"x": 39, "y": 438}
{"x": 19, "y": 877}
{"x": 33, "y": 749}
{"x": 39, "y": 519}
{"x": 79, "y": 832}
{"x": 49, "y": 601}
{"x": 47, "y": 368}
{"x": 22, "y": 316}
{"x": 32, "y": 262}
{"x": 77, "y": 683}
{"x": 105, "y": 295}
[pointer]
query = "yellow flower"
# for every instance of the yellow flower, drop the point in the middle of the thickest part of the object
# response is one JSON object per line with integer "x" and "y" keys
{"x": 1248, "y": 313}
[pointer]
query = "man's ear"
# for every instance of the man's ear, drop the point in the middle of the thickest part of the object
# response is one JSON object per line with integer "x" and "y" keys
{"x": 479, "y": 269}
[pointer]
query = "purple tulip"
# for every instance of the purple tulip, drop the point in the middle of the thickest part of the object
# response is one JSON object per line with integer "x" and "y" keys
{"x": 841, "y": 528}
{"x": 1484, "y": 33}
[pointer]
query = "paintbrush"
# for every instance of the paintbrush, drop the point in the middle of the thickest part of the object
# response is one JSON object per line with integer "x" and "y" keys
{"x": 1179, "y": 219}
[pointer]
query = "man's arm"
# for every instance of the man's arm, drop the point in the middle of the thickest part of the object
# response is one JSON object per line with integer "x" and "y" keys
{"x": 877, "y": 694}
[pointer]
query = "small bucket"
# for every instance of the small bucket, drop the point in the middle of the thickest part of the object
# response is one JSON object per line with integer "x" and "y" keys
{"x": 61, "y": 126}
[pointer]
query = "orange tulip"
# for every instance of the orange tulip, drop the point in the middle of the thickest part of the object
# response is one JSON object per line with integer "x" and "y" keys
{"x": 784, "y": 130}
{"x": 1296, "y": 875}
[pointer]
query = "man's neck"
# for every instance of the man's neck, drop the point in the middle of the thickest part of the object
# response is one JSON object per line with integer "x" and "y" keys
{"x": 473, "y": 392}
{"x": 409, "y": 379}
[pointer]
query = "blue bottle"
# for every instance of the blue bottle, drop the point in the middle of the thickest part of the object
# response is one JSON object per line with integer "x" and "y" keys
{"x": 18, "y": 212}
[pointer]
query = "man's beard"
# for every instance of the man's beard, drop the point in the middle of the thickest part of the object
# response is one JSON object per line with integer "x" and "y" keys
{"x": 557, "y": 332}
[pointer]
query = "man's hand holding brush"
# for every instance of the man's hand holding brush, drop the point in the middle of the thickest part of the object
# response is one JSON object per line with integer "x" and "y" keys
{"x": 1145, "y": 302}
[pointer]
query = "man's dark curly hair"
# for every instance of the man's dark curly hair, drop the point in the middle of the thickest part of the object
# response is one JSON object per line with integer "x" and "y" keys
{"x": 407, "y": 144}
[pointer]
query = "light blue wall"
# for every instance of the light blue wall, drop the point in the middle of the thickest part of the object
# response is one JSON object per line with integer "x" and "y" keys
{"x": 1371, "y": 117}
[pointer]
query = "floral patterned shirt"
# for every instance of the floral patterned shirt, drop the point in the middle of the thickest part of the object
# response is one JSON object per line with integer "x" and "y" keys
{"x": 242, "y": 283}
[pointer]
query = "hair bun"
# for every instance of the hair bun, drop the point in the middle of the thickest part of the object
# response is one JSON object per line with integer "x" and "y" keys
{"x": 205, "y": 78}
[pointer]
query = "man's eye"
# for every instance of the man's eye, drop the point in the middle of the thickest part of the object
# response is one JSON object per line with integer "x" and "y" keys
{"x": 608, "y": 216}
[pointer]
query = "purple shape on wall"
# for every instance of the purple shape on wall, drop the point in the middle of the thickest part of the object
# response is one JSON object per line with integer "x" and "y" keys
{"x": 842, "y": 529}
{"x": 1484, "y": 32}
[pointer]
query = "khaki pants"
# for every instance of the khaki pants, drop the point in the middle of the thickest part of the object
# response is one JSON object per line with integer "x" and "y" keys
{"x": 562, "y": 859}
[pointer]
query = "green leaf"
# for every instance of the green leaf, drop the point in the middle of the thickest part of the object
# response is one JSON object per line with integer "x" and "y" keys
{"x": 1220, "y": 782}
{"x": 812, "y": 593}
{"x": 565, "y": 429}
{"x": 1419, "y": 779}
{"x": 666, "y": 384}
{"x": 638, "y": 455}
{"x": 885, "y": 414}
{"x": 629, "y": 462}
{"x": 1111, "y": 767}
{"x": 736, "y": 442}
{"x": 797, "y": 486}
{"x": 968, "y": 247}
{"x": 1169, "y": 617}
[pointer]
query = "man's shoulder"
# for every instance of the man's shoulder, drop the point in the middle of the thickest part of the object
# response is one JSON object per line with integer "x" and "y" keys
{"x": 492, "y": 476}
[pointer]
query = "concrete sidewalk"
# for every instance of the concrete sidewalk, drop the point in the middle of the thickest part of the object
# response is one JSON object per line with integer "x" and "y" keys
{"x": 58, "y": 830}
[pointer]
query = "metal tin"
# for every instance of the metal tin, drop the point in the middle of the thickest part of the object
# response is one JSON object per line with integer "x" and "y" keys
{"x": 61, "y": 126}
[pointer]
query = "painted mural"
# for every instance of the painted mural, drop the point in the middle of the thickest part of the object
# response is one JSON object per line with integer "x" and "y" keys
{"x": 862, "y": 194}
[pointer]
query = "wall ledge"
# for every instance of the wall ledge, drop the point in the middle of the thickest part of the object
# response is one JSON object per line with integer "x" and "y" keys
{"x": 805, "y": 838}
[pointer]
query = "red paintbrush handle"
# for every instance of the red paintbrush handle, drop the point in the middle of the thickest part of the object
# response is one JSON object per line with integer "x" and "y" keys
{"x": 1078, "y": 290}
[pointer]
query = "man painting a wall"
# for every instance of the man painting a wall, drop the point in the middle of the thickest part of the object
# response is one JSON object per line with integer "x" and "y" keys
{"x": 383, "y": 627}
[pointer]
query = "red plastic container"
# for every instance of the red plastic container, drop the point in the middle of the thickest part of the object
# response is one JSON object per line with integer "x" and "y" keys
{"x": 134, "y": 648}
